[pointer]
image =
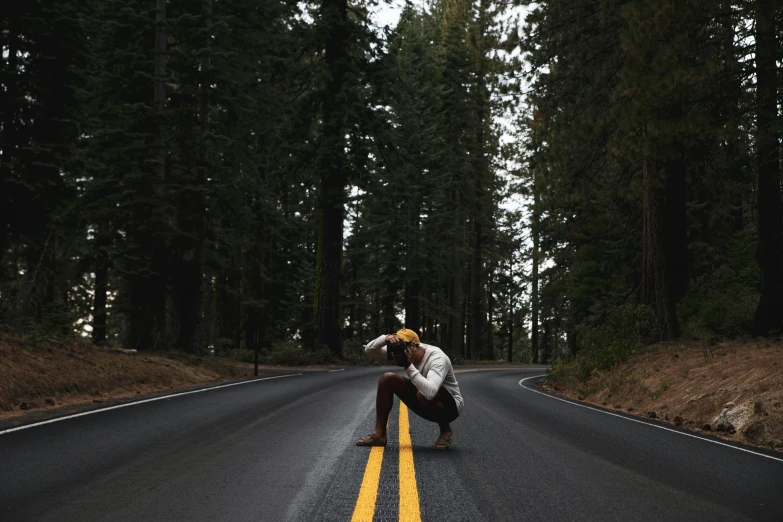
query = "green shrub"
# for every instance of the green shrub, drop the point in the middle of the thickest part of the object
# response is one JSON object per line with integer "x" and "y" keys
{"x": 240, "y": 354}
{"x": 289, "y": 353}
{"x": 602, "y": 348}
{"x": 720, "y": 305}
{"x": 293, "y": 353}
{"x": 721, "y": 302}
{"x": 353, "y": 352}
{"x": 224, "y": 346}
{"x": 562, "y": 370}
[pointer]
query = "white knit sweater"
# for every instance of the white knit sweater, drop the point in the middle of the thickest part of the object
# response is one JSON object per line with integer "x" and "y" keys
{"x": 430, "y": 374}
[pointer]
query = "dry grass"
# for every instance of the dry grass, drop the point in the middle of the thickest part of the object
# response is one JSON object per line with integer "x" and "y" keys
{"x": 35, "y": 377}
{"x": 736, "y": 390}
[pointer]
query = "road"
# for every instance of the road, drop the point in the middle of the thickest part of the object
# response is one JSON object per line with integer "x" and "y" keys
{"x": 283, "y": 449}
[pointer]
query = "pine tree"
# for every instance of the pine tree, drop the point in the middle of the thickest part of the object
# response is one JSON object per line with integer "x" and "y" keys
{"x": 332, "y": 170}
{"x": 769, "y": 253}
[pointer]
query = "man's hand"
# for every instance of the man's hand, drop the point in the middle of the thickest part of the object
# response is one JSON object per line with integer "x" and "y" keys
{"x": 409, "y": 354}
{"x": 394, "y": 339}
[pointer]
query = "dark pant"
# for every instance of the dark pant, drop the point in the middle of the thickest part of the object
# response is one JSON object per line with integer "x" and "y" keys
{"x": 441, "y": 409}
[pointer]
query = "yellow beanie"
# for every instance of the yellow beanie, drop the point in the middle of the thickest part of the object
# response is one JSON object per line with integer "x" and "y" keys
{"x": 409, "y": 336}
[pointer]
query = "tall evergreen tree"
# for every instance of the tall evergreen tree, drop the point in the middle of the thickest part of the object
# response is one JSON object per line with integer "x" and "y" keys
{"x": 769, "y": 253}
{"x": 333, "y": 178}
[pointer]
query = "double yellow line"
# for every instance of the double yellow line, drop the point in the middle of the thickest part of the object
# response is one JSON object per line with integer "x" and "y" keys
{"x": 409, "y": 493}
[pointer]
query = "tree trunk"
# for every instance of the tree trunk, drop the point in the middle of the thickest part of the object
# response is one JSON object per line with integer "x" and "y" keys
{"x": 160, "y": 95}
{"x": 331, "y": 194}
{"x": 534, "y": 278}
{"x": 255, "y": 325}
{"x": 443, "y": 316}
{"x": 655, "y": 289}
{"x": 389, "y": 317}
{"x": 228, "y": 297}
{"x": 476, "y": 287}
{"x": 374, "y": 313}
{"x": 545, "y": 337}
{"x": 570, "y": 339}
{"x": 412, "y": 281}
{"x": 456, "y": 315}
{"x": 9, "y": 136}
{"x": 769, "y": 252}
{"x": 354, "y": 293}
{"x": 510, "y": 331}
{"x": 192, "y": 289}
{"x": 201, "y": 217}
{"x": 156, "y": 289}
{"x": 102, "y": 243}
{"x": 148, "y": 289}
{"x": 490, "y": 330}
{"x": 481, "y": 172}
{"x": 423, "y": 317}
{"x": 733, "y": 110}
{"x": 463, "y": 323}
{"x": 376, "y": 306}
{"x": 148, "y": 301}
{"x": 676, "y": 228}
{"x": 554, "y": 341}
{"x": 427, "y": 326}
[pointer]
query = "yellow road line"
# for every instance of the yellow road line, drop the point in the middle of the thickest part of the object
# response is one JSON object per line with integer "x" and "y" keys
{"x": 365, "y": 504}
{"x": 409, "y": 493}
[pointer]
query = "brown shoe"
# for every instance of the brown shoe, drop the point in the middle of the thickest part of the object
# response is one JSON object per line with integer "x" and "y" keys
{"x": 443, "y": 442}
{"x": 372, "y": 440}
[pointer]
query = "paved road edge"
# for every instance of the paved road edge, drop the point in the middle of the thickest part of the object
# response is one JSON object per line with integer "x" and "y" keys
{"x": 650, "y": 422}
{"x": 80, "y": 410}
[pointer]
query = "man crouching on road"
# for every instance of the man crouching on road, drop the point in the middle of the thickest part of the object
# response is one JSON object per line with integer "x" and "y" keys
{"x": 430, "y": 390}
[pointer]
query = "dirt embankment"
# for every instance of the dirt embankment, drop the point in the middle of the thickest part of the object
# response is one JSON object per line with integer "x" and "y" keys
{"x": 734, "y": 390}
{"x": 38, "y": 377}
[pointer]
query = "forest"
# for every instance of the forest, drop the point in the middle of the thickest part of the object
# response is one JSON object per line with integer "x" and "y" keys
{"x": 513, "y": 180}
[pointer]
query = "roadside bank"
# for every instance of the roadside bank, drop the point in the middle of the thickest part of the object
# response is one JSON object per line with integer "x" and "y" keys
{"x": 733, "y": 390}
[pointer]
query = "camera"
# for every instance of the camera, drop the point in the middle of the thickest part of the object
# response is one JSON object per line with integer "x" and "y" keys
{"x": 396, "y": 352}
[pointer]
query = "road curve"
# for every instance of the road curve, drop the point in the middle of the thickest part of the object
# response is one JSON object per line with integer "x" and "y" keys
{"x": 282, "y": 449}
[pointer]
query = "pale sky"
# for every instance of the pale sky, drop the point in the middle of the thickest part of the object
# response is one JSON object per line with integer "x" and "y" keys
{"x": 388, "y": 13}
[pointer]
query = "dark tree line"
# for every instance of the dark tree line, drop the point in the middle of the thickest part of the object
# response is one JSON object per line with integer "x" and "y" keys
{"x": 210, "y": 173}
{"x": 180, "y": 174}
{"x": 654, "y": 143}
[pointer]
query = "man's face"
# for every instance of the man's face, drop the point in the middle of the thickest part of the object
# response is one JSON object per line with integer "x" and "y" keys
{"x": 415, "y": 353}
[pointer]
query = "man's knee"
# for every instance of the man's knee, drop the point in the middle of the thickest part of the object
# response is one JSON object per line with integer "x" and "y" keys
{"x": 388, "y": 379}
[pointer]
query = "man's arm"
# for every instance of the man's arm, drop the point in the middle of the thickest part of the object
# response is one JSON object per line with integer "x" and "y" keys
{"x": 429, "y": 385}
{"x": 377, "y": 347}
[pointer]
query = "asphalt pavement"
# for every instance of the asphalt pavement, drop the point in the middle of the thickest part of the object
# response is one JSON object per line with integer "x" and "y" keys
{"x": 283, "y": 449}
